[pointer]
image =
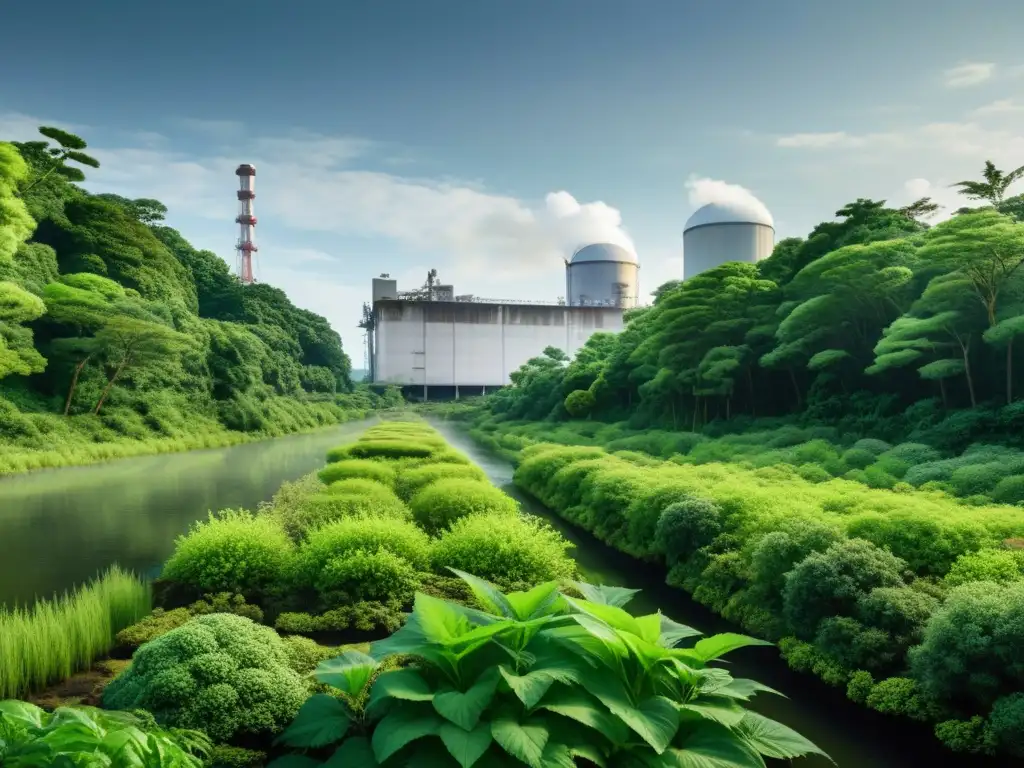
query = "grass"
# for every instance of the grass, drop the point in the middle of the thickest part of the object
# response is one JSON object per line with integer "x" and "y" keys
{"x": 56, "y": 638}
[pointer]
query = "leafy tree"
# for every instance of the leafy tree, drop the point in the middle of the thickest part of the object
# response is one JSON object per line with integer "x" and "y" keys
{"x": 70, "y": 148}
{"x": 993, "y": 188}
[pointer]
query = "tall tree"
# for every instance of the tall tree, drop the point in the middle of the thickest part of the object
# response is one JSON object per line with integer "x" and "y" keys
{"x": 993, "y": 188}
{"x": 69, "y": 147}
{"x": 127, "y": 343}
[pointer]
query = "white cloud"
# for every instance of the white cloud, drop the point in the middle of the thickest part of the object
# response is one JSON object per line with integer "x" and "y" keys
{"x": 968, "y": 74}
{"x": 918, "y": 188}
{"x": 999, "y": 107}
{"x": 834, "y": 140}
{"x": 705, "y": 190}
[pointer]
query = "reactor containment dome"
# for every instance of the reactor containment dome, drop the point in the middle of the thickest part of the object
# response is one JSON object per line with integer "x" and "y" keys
{"x": 602, "y": 275}
{"x": 718, "y": 233}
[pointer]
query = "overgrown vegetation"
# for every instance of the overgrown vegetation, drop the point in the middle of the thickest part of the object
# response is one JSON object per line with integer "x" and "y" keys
{"x": 117, "y": 337}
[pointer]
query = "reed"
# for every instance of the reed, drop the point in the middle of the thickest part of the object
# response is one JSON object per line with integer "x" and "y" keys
{"x": 55, "y": 638}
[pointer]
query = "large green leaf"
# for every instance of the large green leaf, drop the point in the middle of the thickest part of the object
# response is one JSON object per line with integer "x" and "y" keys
{"x": 23, "y": 713}
{"x": 356, "y": 752}
{"x": 741, "y": 688}
{"x": 402, "y": 684}
{"x": 542, "y": 600}
{"x": 611, "y": 615}
{"x": 466, "y": 746}
{"x": 349, "y": 672}
{"x": 464, "y": 708}
{"x": 655, "y": 719}
{"x": 718, "y": 645}
{"x": 320, "y": 721}
{"x": 490, "y": 597}
{"x": 708, "y": 745}
{"x": 773, "y": 739}
{"x": 524, "y": 741}
{"x": 724, "y": 711}
{"x": 672, "y": 632}
{"x": 402, "y": 725}
{"x": 579, "y": 706}
{"x": 606, "y": 595}
{"x": 531, "y": 687}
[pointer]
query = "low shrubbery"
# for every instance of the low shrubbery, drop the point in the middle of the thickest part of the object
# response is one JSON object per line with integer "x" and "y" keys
{"x": 444, "y": 501}
{"x": 55, "y": 638}
{"x": 907, "y": 586}
{"x": 219, "y": 673}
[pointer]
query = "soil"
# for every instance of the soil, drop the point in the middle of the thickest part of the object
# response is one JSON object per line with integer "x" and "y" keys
{"x": 82, "y": 687}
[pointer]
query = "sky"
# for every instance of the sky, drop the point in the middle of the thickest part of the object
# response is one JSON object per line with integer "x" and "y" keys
{"x": 490, "y": 139}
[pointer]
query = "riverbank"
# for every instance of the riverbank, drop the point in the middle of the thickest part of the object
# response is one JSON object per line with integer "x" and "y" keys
{"x": 87, "y": 440}
{"x": 872, "y": 586}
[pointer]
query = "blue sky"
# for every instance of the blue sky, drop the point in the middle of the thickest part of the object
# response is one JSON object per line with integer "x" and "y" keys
{"x": 397, "y": 136}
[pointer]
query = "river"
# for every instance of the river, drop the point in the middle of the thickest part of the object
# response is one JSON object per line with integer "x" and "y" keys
{"x": 60, "y": 527}
{"x": 854, "y": 736}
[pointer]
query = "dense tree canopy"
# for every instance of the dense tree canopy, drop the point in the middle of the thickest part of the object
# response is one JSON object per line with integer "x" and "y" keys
{"x": 105, "y": 309}
{"x": 870, "y": 314}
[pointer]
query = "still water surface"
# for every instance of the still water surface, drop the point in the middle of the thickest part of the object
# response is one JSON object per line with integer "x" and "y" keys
{"x": 853, "y": 736}
{"x": 59, "y": 527}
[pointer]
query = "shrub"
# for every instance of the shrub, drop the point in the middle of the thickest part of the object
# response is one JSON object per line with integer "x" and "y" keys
{"x": 1009, "y": 490}
{"x": 412, "y": 480}
{"x": 973, "y": 646}
{"x": 853, "y": 645}
{"x": 830, "y": 583}
{"x": 390, "y": 449}
{"x": 976, "y": 478}
{"x": 337, "y": 539}
{"x": 443, "y": 502}
{"x": 860, "y": 686}
{"x": 872, "y": 446}
{"x": 579, "y": 403}
{"x": 900, "y": 611}
{"x": 686, "y": 526}
{"x": 363, "y": 575}
{"x": 350, "y": 468}
{"x": 1007, "y": 724}
{"x": 230, "y": 552}
{"x": 363, "y": 616}
{"x": 221, "y": 673}
{"x": 304, "y": 654}
{"x": 775, "y": 554}
{"x": 504, "y": 549}
{"x": 901, "y": 696}
{"x": 356, "y": 498}
{"x": 998, "y": 565}
{"x": 225, "y": 756}
{"x": 970, "y": 736}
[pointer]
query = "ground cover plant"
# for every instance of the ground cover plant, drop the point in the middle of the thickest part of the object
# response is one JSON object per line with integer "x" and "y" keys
{"x": 901, "y": 598}
{"x": 122, "y": 339}
{"x": 31, "y": 737}
{"x": 538, "y": 678}
{"x": 55, "y": 638}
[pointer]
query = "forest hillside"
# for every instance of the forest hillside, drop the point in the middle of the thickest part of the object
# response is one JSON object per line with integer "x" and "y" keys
{"x": 114, "y": 330}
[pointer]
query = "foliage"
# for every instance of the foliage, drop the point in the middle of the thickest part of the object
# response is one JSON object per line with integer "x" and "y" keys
{"x": 504, "y": 549}
{"x": 539, "y": 678}
{"x": 438, "y": 505}
{"x": 365, "y": 468}
{"x": 32, "y": 737}
{"x": 54, "y": 638}
{"x": 411, "y": 481}
{"x": 233, "y": 551}
{"x": 221, "y": 673}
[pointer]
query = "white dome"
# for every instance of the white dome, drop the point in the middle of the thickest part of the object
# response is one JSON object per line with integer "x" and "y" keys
{"x": 730, "y": 213}
{"x": 604, "y": 252}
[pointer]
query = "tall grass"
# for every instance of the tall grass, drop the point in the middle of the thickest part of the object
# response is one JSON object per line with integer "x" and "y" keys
{"x": 55, "y": 638}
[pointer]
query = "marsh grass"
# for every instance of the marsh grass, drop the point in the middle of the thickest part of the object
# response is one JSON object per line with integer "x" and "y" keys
{"x": 53, "y": 639}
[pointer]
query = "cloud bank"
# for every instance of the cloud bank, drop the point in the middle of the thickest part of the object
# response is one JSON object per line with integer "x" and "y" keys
{"x": 705, "y": 190}
{"x": 968, "y": 74}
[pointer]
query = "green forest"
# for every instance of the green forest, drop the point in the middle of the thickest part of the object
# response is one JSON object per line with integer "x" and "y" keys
{"x": 117, "y": 336}
{"x": 825, "y": 448}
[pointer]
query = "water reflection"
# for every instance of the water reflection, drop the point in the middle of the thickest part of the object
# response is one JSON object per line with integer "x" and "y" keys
{"x": 60, "y": 527}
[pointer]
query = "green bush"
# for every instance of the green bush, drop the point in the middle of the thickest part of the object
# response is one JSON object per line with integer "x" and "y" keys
{"x": 902, "y": 612}
{"x": 901, "y": 696}
{"x": 1006, "y": 723}
{"x": 579, "y": 403}
{"x": 232, "y": 551}
{"x": 225, "y": 756}
{"x": 504, "y": 549}
{"x": 364, "y": 468}
{"x": 304, "y": 654}
{"x": 364, "y": 616}
{"x": 339, "y": 538}
{"x": 970, "y": 736}
{"x": 860, "y": 686}
{"x": 830, "y": 583}
{"x": 366, "y": 575}
{"x": 356, "y": 498}
{"x": 1009, "y": 490}
{"x": 999, "y": 565}
{"x": 412, "y": 480}
{"x": 686, "y": 526}
{"x": 441, "y": 503}
{"x": 219, "y": 673}
{"x": 390, "y": 449}
{"x": 976, "y": 478}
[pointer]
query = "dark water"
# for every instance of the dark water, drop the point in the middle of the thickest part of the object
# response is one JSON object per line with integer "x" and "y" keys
{"x": 855, "y": 737}
{"x": 59, "y": 527}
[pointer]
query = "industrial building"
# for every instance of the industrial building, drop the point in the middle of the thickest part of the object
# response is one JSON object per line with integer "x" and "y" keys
{"x": 602, "y": 275}
{"x": 437, "y": 345}
{"x": 718, "y": 233}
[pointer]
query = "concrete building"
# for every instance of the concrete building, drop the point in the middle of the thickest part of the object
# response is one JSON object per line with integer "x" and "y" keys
{"x": 603, "y": 275}
{"x": 719, "y": 233}
{"x": 450, "y": 348}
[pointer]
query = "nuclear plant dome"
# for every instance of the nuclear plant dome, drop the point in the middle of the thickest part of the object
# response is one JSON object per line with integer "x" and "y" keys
{"x": 603, "y": 274}
{"x": 718, "y": 233}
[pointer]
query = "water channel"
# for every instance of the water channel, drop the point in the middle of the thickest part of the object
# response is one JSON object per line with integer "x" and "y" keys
{"x": 58, "y": 528}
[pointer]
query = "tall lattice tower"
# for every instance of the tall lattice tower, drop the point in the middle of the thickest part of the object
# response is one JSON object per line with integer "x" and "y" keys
{"x": 246, "y": 221}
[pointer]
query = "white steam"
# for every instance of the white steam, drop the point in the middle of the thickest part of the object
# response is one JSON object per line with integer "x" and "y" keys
{"x": 568, "y": 225}
{"x": 705, "y": 190}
